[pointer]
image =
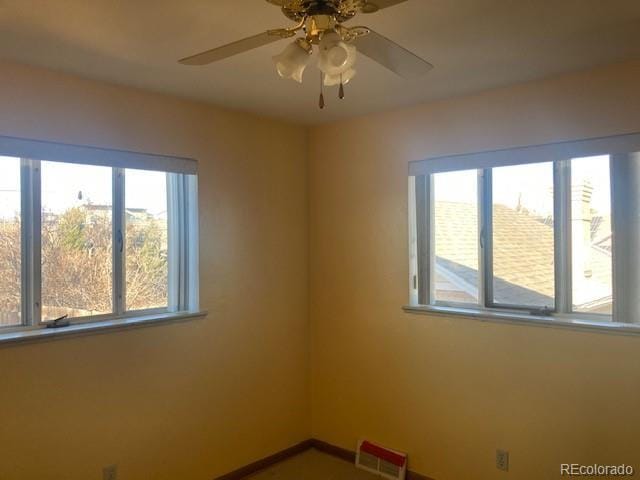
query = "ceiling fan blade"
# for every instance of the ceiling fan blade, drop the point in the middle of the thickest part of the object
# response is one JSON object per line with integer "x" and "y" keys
{"x": 391, "y": 55}
{"x": 231, "y": 49}
{"x": 372, "y": 6}
{"x": 280, "y": 3}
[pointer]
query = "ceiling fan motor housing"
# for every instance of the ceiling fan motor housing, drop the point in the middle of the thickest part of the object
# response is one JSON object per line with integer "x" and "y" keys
{"x": 341, "y": 10}
{"x": 316, "y": 26}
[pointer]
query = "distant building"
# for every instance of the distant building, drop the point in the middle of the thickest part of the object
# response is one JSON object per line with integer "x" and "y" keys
{"x": 103, "y": 213}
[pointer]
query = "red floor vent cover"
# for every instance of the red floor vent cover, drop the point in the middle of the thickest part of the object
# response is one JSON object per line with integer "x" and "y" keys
{"x": 381, "y": 461}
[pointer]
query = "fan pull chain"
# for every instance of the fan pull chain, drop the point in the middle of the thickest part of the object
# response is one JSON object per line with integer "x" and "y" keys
{"x": 321, "y": 103}
{"x": 341, "y": 92}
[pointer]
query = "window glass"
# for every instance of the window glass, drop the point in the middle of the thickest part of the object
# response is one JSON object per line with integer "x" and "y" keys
{"x": 591, "y": 238}
{"x": 455, "y": 197}
{"x": 10, "y": 242}
{"x": 146, "y": 239}
{"x": 76, "y": 240}
{"x": 523, "y": 235}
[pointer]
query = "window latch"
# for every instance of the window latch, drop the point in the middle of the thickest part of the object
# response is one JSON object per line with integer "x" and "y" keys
{"x": 59, "y": 322}
{"x": 120, "y": 241}
{"x": 542, "y": 312}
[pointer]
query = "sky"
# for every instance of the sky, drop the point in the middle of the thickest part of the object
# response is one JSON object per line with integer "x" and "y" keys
{"x": 69, "y": 185}
{"x": 532, "y": 184}
{"x": 62, "y": 183}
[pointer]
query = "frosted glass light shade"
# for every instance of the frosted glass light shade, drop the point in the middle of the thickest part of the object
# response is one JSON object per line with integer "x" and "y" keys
{"x": 336, "y": 57}
{"x": 332, "y": 80}
{"x": 292, "y": 62}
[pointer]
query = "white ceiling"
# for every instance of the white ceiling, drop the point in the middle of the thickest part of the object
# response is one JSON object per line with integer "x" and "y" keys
{"x": 474, "y": 45}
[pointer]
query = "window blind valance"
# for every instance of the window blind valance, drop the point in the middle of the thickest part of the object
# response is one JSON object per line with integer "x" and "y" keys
{"x": 618, "y": 144}
{"x": 60, "y": 152}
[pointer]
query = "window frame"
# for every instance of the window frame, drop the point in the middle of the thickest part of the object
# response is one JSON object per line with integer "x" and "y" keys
{"x": 485, "y": 205}
{"x": 421, "y": 229}
{"x": 182, "y": 218}
{"x": 563, "y": 305}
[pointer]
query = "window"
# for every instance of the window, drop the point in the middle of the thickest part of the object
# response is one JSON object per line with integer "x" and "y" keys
{"x": 456, "y": 236}
{"x": 591, "y": 236}
{"x": 86, "y": 237}
{"x": 147, "y": 267}
{"x": 10, "y": 243}
{"x": 549, "y": 231}
{"x": 521, "y": 223}
{"x": 76, "y": 225}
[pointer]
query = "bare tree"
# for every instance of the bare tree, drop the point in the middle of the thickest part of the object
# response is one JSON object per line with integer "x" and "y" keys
{"x": 10, "y": 266}
{"x": 147, "y": 270}
{"x": 77, "y": 264}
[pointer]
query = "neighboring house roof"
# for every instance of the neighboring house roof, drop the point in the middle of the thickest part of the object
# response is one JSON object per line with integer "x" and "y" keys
{"x": 522, "y": 251}
{"x": 93, "y": 212}
{"x": 601, "y": 233}
{"x": 97, "y": 208}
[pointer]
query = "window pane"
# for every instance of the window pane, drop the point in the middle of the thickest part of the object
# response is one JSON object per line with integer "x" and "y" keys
{"x": 10, "y": 246}
{"x": 523, "y": 235}
{"x": 456, "y": 236}
{"x": 76, "y": 240}
{"x": 591, "y": 238}
{"x": 146, "y": 239}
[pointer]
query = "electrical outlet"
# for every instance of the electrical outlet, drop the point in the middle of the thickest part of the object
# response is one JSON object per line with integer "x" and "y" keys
{"x": 502, "y": 460}
{"x": 110, "y": 473}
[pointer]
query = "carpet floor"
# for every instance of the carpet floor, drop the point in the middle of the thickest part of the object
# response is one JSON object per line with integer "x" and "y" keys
{"x": 313, "y": 465}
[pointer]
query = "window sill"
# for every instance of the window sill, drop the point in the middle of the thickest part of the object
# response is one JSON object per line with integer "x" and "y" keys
{"x": 76, "y": 329}
{"x": 522, "y": 319}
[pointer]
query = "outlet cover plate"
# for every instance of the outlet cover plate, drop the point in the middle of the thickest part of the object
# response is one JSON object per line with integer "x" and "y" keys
{"x": 502, "y": 460}
{"x": 110, "y": 472}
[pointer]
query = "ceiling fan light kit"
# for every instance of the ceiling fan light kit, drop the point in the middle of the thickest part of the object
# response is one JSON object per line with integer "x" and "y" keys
{"x": 321, "y": 22}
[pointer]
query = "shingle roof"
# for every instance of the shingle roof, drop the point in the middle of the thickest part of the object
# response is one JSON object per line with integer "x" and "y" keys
{"x": 522, "y": 250}
{"x": 601, "y": 232}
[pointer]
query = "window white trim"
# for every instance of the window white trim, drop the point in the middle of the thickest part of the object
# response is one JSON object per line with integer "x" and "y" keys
{"x": 182, "y": 225}
{"x": 118, "y": 230}
{"x": 11, "y": 335}
{"x": 182, "y": 194}
{"x": 192, "y": 298}
{"x": 86, "y": 155}
{"x": 562, "y": 235}
{"x": 625, "y": 181}
{"x": 620, "y": 144}
{"x": 584, "y": 323}
{"x": 624, "y": 205}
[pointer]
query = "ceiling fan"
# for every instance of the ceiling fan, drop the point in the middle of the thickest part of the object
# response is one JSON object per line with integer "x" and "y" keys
{"x": 322, "y": 23}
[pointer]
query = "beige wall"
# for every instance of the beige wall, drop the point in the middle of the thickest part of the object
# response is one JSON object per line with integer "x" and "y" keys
{"x": 196, "y": 399}
{"x": 451, "y": 390}
{"x": 182, "y": 401}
